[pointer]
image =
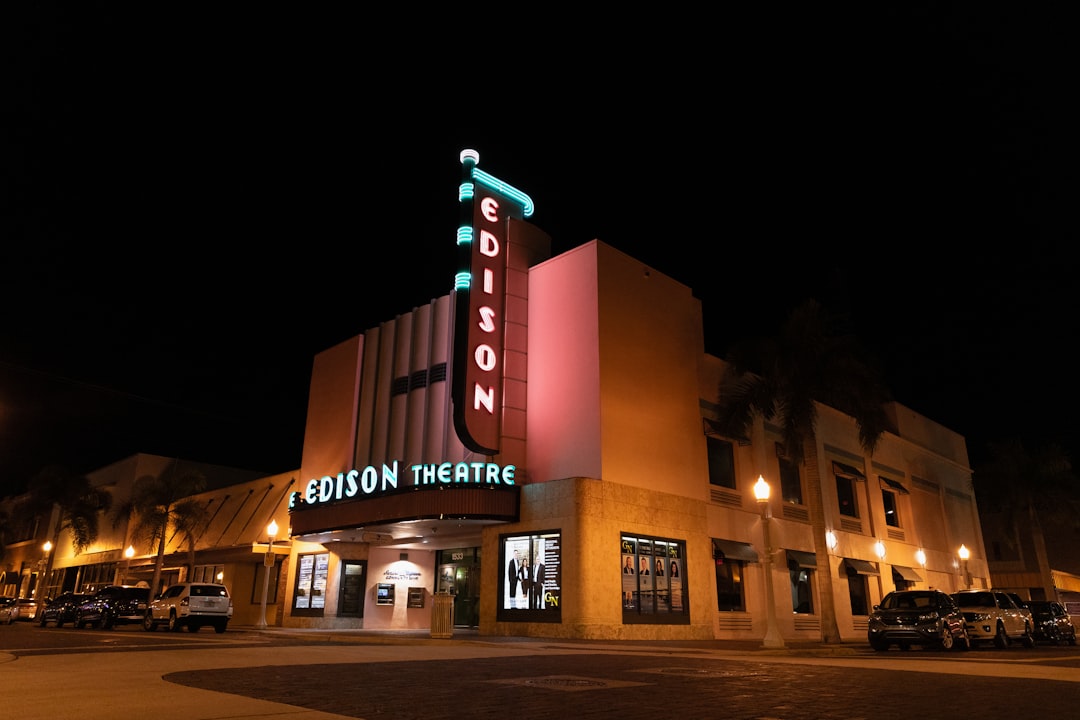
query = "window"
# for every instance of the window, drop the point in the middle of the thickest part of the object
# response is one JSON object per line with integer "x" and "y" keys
{"x": 531, "y": 586}
{"x": 892, "y": 515}
{"x": 209, "y": 574}
{"x": 654, "y": 586}
{"x": 790, "y": 482}
{"x": 858, "y": 588}
{"x": 845, "y": 495}
{"x": 857, "y": 592}
{"x": 721, "y": 462}
{"x": 801, "y": 569}
{"x": 730, "y": 559}
{"x": 311, "y": 575}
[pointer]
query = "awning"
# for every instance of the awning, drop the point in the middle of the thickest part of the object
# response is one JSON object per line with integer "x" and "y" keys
{"x": 893, "y": 484}
{"x": 860, "y": 567}
{"x": 801, "y": 559}
{"x": 906, "y": 573}
{"x": 731, "y": 550}
{"x": 841, "y": 469}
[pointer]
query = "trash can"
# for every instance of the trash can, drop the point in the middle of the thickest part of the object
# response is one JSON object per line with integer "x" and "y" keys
{"x": 442, "y": 615}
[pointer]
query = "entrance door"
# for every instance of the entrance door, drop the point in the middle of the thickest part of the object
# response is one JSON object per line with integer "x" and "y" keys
{"x": 466, "y": 596}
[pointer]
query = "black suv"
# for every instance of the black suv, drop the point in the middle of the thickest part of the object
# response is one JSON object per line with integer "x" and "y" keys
{"x": 917, "y": 617}
{"x": 113, "y": 605}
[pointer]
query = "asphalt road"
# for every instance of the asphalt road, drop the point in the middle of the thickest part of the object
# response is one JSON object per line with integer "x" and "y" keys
{"x": 127, "y": 673}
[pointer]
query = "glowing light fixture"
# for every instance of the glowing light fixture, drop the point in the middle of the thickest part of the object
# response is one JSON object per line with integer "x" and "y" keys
{"x": 920, "y": 557}
{"x": 830, "y": 539}
{"x": 879, "y": 549}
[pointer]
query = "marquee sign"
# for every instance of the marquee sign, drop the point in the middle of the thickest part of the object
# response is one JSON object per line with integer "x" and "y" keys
{"x": 370, "y": 481}
{"x": 487, "y": 204}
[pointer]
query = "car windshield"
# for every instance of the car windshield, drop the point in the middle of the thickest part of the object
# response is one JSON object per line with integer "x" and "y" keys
{"x": 978, "y": 599}
{"x": 907, "y": 601}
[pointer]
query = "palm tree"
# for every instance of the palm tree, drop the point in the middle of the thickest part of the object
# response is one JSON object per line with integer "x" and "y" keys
{"x": 188, "y": 517}
{"x": 1027, "y": 490}
{"x": 783, "y": 379}
{"x": 78, "y": 502}
{"x": 159, "y": 502}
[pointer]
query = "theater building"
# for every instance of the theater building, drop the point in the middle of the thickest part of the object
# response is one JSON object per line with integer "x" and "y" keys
{"x": 534, "y": 449}
{"x": 578, "y": 445}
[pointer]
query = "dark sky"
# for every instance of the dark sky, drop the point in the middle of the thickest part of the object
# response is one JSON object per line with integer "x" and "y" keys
{"x": 193, "y": 206}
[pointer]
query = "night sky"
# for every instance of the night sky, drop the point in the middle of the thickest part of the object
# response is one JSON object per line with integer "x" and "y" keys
{"x": 193, "y": 206}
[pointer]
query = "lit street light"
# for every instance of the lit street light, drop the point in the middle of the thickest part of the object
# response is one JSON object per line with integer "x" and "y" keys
{"x": 43, "y": 565}
{"x": 964, "y": 554}
{"x": 773, "y": 638}
{"x": 128, "y": 554}
{"x": 268, "y": 563}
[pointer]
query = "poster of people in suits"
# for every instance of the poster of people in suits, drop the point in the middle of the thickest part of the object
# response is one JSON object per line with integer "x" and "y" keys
{"x": 532, "y": 577}
{"x": 629, "y": 574}
{"x": 652, "y": 576}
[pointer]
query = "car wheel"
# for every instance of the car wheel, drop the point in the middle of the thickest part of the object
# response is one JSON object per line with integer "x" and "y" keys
{"x": 879, "y": 645}
{"x": 107, "y": 621}
{"x": 1072, "y": 638}
{"x": 192, "y": 626}
{"x": 220, "y": 627}
{"x": 148, "y": 623}
{"x": 174, "y": 624}
{"x": 1001, "y": 638}
{"x": 964, "y": 641}
{"x": 947, "y": 639}
{"x": 42, "y": 622}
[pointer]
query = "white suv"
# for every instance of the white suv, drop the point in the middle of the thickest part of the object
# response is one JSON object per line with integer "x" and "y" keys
{"x": 190, "y": 605}
{"x": 991, "y": 616}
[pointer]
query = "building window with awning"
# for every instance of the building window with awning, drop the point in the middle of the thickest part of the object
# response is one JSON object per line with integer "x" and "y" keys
{"x": 721, "y": 462}
{"x": 730, "y": 558}
{"x": 801, "y": 566}
{"x": 890, "y": 498}
{"x": 846, "y": 477}
{"x": 858, "y": 587}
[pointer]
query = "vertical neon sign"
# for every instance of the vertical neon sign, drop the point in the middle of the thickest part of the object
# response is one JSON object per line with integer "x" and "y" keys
{"x": 480, "y": 283}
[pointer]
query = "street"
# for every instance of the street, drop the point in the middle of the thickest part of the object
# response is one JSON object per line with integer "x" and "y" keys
{"x": 126, "y": 672}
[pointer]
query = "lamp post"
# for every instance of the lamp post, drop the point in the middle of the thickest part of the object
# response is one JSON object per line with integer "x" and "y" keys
{"x": 773, "y": 638}
{"x": 43, "y": 565}
{"x": 128, "y": 554}
{"x": 964, "y": 554}
{"x": 268, "y": 562}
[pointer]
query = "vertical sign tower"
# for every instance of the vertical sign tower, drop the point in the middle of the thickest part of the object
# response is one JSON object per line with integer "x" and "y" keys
{"x": 487, "y": 207}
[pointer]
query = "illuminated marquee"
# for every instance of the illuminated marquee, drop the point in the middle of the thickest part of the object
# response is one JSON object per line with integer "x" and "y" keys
{"x": 486, "y": 205}
{"x": 370, "y": 481}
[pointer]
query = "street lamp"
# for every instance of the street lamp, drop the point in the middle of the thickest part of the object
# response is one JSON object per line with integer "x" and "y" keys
{"x": 773, "y": 638}
{"x": 964, "y": 554}
{"x": 128, "y": 554}
{"x": 43, "y": 565}
{"x": 268, "y": 562}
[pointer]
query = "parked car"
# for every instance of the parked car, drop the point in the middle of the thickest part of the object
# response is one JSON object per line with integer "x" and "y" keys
{"x": 992, "y": 616}
{"x": 113, "y": 605}
{"x": 61, "y": 609}
{"x": 929, "y": 618}
{"x": 1024, "y": 610}
{"x": 190, "y": 605}
{"x": 28, "y": 608}
{"x": 9, "y": 610}
{"x": 1052, "y": 623}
